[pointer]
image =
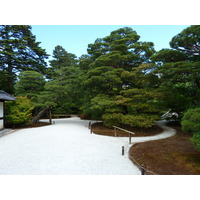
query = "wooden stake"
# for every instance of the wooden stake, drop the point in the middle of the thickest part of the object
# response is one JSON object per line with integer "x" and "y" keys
{"x": 50, "y": 116}
{"x": 129, "y": 138}
{"x": 122, "y": 150}
{"x": 142, "y": 171}
{"x": 89, "y": 125}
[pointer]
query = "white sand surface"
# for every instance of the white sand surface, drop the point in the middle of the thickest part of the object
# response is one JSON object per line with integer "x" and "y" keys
{"x": 66, "y": 148}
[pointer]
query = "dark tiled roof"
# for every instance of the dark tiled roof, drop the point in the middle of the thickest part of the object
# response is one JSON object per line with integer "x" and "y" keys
{"x": 6, "y": 97}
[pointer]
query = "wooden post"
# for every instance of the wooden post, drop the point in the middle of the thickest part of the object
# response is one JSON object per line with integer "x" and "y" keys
{"x": 50, "y": 116}
{"x": 142, "y": 171}
{"x": 130, "y": 133}
{"x": 89, "y": 125}
{"x": 122, "y": 150}
{"x": 115, "y": 131}
{"x": 4, "y": 114}
{"x": 129, "y": 138}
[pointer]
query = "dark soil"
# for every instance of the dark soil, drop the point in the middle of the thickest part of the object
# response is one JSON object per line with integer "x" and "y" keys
{"x": 172, "y": 156}
{"x": 100, "y": 129}
{"x": 34, "y": 125}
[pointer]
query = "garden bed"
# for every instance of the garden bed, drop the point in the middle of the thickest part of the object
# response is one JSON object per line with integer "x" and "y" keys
{"x": 100, "y": 129}
{"x": 33, "y": 125}
{"x": 172, "y": 156}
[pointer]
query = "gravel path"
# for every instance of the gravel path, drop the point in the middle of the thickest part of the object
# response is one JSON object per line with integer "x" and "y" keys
{"x": 168, "y": 132}
{"x": 66, "y": 148}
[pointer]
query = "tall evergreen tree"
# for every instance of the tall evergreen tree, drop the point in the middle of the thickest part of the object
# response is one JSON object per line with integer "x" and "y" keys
{"x": 188, "y": 41}
{"x": 179, "y": 70}
{"x": 30, "y": 84}
{"x": 19, "y": 51}
{"x": 62, "y": 89}
{"x": 111, "y": 84}
{"x": 62, "y": 58}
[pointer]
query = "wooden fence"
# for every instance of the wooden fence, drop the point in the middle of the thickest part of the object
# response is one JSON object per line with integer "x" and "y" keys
{"x": 129, "y": 132}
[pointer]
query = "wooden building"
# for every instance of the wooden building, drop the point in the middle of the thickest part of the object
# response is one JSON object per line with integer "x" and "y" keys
{"x": 4, "y": 97}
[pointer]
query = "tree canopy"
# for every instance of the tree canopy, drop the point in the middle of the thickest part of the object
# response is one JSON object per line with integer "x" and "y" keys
{"x": 19, "y": 52}
{"x": 188, "y": 41}
{"x": 121, "y": 80}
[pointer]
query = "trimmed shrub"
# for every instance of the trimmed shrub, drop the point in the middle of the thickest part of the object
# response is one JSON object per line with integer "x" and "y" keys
{"x": 196, "y": 140}
{"x": 191, "y": 120}
{"x": 111, "y": 119}
{"x": 139, "y": 120}
{"x": 19, "y": 112}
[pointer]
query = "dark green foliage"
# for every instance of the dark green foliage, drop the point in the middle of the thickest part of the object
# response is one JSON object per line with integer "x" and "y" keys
{"x": 179, "y": 71}
{"x": 121, "y": 49}
{"x": 196, "y": 140}
{"x": 188, "y": 41}
{"x": 19, "y": 51}
{"x": 4, "y": 76}
{"x": 191, "y": 120}
{"x": 117, "y": 69}
{"x": 62, "y": 91}
{"x": 111, "y": 119}
{"x": 84, "y": 62}
{"x": 121, "y": 81}
{"x": 30, "y": 84}
{"x": 140, "y": 120}
{"x": 169, "y": 55}
{"x": 61, "y": 59}
{"x": 180, "y": 85}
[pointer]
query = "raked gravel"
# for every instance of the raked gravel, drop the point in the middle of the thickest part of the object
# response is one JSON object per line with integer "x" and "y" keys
{"x": 67, "y": 148}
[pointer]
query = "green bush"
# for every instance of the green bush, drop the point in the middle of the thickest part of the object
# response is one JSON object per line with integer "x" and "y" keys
{"x": 191, "y": 120}
{"x": 196, "y": 140}
{"x": 111, "y": 119}
{"x": 19, "y": 112}
{"x": 139, "y": 120}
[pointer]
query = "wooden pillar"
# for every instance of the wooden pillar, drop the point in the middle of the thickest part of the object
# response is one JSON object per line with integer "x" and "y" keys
{"x": 115, "y": 130}
{"x": 3, "y": 114}
{"x": 122, "y": 150}
{"x": 129, "y": 138}
{"x": 89, "y": 124}
{"x": 143, "y": 171}
{"x": 50, "y": 116}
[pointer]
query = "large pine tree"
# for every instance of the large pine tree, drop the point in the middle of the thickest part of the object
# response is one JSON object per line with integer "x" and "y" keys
{"x": 179, "y": 70}
{"x": 116, "y": 85}
{"x": 19, "y": 52}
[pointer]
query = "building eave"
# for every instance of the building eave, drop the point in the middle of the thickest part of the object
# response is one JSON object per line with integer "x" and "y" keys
{"x": 6, "y": 97}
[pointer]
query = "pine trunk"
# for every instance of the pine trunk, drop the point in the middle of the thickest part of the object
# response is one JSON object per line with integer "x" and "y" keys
{"x": 40, "y": 114}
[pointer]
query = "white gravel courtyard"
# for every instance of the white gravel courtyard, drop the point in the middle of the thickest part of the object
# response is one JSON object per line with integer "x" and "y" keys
{"x": 64, "y": 148}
